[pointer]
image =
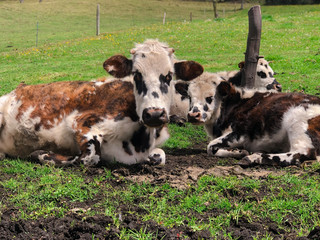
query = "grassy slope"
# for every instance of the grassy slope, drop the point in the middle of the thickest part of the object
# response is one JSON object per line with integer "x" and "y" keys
{"x": 290, "y": 38}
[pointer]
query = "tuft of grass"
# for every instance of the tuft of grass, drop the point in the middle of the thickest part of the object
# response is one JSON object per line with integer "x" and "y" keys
{"x": 184, "y": 137}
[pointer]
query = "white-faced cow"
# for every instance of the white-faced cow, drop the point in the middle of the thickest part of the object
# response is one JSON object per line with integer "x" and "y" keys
{"x": 113, "y": 119}
{"x": 200, "y": 106}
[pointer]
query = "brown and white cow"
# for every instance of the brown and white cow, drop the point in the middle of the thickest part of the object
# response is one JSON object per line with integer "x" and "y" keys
{"x": 275, "y": 128}
{"x": 113, "y": 119}
{"x": 203, "y": 89}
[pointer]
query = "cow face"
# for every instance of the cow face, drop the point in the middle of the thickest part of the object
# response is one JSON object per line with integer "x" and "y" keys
{"x": 202, "y": 92}
{"x": 264, "y": 77}
{"x": 152, "y": 66}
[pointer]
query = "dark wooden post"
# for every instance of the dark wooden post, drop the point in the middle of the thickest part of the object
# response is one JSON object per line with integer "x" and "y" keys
{"x": 98, "y": 20}
{"x": 214, "y": 2}
{"x": 253, "y": 46}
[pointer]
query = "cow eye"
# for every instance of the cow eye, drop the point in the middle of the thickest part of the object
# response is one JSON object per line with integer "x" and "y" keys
{"x": 209, "y": 100}
{"x": 169, "y": 77}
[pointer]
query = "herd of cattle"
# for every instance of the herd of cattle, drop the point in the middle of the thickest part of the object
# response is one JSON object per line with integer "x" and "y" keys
{"x": 124, "y": 118}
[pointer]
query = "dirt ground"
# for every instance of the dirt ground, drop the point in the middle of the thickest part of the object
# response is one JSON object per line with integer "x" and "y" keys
{"x": 183, "y": 167}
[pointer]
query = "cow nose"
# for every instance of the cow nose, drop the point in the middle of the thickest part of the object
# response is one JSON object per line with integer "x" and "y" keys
{"x": 154, "y": 117}
{"x": 279, "y": 87}
{"x": 194, "y": 117}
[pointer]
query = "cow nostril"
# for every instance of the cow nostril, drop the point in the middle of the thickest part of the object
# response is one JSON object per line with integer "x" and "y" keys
{"x": 146, "y": 115}
{"x": 279, "y": 87}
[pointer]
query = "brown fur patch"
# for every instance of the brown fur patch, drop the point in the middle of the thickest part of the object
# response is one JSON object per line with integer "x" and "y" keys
{"x": 188, "y": 70}
{"x": 52, "y": 102}
{"x": 314, "y": 132}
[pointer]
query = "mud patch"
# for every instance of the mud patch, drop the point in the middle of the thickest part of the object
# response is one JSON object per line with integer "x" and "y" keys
{"x": 183, "y": 168}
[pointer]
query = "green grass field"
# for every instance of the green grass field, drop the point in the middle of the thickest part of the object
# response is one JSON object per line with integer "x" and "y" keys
{"x": 69, "y": 50}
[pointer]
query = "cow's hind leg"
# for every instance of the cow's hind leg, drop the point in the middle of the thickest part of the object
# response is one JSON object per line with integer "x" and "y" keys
{"x": 90, "y": 153}
{"x": 48, "y": 157}
{"x": 281, "y": 159}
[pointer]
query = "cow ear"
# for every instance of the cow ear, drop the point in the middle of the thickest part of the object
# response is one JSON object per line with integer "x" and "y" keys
{"x": 182, "y": 88}
{"x": 187, "y": 70}
{"x": 224, "y": 88}
{"x": 241, "y": 65}
{"x": 118, "y": 66}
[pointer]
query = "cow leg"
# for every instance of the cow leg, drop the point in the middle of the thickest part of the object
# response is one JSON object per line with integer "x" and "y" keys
{"x": 90, "y": 147}
{"x": 226, "y": 146}
{"x": 90, "y": 153}
{"x": 281, "y": 159}
{"x": 48, "y": 157}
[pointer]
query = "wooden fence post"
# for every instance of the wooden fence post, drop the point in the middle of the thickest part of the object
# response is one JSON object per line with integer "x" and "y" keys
{"x": 164, "y": 18}
{"x": 37, "y": 34}
{"x": 253, "y": 46}
{"x": 98, "y": 20}
{"x": 191, "y": 17}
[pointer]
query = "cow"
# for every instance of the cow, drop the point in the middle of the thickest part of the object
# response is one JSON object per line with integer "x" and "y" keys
{"x": 258, "y": 127}
{"x": 121, "y": 118}
{"x": 181, "y": 100}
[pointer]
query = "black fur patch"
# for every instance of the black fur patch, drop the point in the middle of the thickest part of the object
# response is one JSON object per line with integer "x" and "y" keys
{"x": 195, "y": 109}
{"x": 96, "y": 144}
{"x": 126, "y": 148}
{"x": 140, "y": 140}
{"x": 155, "y": 94}
{"x": 262, "y": 74}
{"x": 140, "y": 84}
{"x": 182, "y": 89}
{"x": 164, "y": 83}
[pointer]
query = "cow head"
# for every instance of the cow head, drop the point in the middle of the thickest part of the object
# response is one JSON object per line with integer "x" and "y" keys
{"x": 153, "y": 67}
{"x": 202, "y": 92}
{"x": 265, "y": 76}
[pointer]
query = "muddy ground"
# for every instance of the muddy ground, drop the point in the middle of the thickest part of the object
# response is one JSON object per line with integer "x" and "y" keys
{"x": 183, "y": 167}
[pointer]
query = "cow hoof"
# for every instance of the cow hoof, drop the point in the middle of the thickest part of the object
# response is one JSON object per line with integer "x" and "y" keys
{"x": 212, "y": 150}
{"x": 155, "y": 159}
{"x": 40, "y": 156}
{"x": 245, "y": 163}
{"x": 2, "y": 156}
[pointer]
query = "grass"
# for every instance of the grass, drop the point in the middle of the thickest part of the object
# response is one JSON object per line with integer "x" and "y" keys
{"x": 290, "y": 39}
{"x": 51, "y": 192}
{"x": 65, "y": 20}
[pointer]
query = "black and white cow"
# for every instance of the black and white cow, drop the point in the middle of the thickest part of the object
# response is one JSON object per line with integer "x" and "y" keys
{"x": 117, "y": 119}
{"x": 180, "y": 100}
{"x": 276, "y": 128}
{"x": 261, "y": 127}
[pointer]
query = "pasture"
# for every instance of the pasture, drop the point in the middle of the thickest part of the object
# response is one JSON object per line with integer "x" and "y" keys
{"x": 193, "y": 196}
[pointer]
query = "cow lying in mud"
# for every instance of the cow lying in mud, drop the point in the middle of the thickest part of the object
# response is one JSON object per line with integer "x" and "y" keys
{"x": 276, "y": 128}
{"x": 181, "y": 100}
{"x": 112, "y": 119}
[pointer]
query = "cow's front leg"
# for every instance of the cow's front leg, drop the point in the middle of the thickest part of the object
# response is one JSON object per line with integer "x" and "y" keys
{"x": 157, "y": 156}
{"x": 90, "y": 147}
{"x": 226, "y": 146}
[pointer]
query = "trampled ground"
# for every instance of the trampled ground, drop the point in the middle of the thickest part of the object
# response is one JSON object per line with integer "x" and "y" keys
{"x": 182, "y": 170}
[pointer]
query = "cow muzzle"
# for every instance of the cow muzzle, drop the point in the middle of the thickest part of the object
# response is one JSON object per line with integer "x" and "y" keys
{"x": 154, "y": 117}
{"x": 195, "y": 118}
{"x": 275, "y": 85}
